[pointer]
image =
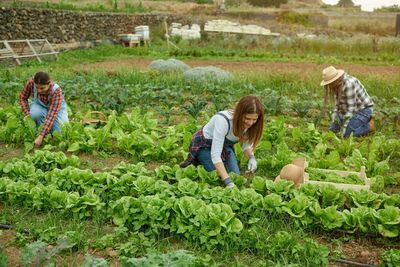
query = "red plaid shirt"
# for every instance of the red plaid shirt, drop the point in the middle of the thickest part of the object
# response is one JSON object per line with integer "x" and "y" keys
{"x": 55, "y": 103}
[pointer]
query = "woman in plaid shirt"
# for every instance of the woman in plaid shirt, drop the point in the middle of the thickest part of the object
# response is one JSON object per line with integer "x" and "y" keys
{"x": 213, "y": 145}
{"x": 47, "y": 107}
{"x": 354, "y": 107}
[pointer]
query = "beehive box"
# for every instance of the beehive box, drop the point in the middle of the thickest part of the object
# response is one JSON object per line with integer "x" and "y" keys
{"x": 362, "y": 175}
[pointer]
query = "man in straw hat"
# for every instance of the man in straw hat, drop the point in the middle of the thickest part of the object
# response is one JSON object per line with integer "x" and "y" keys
{"x": 353, "y": 106}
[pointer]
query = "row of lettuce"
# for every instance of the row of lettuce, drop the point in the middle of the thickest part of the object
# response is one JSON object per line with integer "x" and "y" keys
{"x": 188, "y": 202}
{"x": 140, "y": 136}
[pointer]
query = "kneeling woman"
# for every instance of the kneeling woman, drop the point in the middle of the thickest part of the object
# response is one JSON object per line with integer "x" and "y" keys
{"x": 213, "y": 145}
{"x": 47, "y": 108}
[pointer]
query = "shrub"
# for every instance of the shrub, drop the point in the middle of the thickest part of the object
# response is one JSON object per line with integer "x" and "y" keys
{"x": 204, "y": 74}
{"x": 267, "y": 3}
{"x": 294, "y": 18}
{"x": 168, "y": 66}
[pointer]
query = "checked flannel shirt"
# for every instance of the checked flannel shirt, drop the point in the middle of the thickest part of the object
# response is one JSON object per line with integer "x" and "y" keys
{"x": 353, "y": 98}
{"x": 54, "y": 98}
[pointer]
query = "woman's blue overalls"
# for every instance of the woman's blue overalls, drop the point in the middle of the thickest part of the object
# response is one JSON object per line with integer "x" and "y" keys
{"x": 39, "y": 110}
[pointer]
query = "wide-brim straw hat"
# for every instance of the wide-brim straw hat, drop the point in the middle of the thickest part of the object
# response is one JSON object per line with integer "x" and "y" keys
{"x": 293, "y": 172}
{"x": 330, "y": 74}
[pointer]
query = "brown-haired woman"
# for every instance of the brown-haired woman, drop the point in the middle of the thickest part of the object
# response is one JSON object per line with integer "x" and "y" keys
{"x": 47, "y": 108}
{"x": 213, "y": 145}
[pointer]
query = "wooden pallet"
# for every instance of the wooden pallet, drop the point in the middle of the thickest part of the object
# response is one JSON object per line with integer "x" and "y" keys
{"x": 17, "y": 49}
{"x": 362, "y": 175}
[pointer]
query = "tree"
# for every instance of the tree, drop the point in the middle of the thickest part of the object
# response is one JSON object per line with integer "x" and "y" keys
{"x": 345, "y": 3}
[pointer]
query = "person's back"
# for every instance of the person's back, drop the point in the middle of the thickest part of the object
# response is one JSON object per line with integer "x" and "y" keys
{"x": 353, "y": 106}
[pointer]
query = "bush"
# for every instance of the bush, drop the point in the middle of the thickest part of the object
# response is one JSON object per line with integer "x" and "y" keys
{"x": 294, "y": 18}
{"x": 267, "y": 3}
{"x": 204, "y": 74}
{"x": 168, "y": 66}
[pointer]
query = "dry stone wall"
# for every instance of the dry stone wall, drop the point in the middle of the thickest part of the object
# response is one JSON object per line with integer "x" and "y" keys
{"x": 59, "y": 26}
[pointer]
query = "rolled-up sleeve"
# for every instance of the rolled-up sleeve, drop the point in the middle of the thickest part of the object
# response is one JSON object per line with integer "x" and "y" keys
{"x": 24, "y": 96}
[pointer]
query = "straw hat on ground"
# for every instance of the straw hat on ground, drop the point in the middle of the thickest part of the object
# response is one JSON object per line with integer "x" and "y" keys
{"x": 331, "y": 74}
{"x": 293, "y": 172}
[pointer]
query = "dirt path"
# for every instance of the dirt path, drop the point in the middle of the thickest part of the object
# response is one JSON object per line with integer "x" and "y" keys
{"x": 251, "y": 66}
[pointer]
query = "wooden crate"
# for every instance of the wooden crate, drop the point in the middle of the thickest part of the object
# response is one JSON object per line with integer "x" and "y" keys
{"x": 362, "y": 175}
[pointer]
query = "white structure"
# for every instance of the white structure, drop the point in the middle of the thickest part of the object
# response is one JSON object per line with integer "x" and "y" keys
{"x": 143, "y": 32}
{"x": 235, "y": 27}
{"x": 185, "y": 31}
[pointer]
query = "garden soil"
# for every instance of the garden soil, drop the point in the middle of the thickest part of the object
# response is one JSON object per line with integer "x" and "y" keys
{"x": 256, "y": 67}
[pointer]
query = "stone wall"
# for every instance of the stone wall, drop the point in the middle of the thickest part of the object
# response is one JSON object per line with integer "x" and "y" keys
{"x": 59, "y": 26}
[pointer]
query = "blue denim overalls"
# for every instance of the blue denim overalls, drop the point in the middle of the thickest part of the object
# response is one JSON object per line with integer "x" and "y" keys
{"x": 39, "y": 110}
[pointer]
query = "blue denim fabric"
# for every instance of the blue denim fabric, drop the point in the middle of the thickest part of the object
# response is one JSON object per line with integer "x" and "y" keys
{"x": 358, "y": 124}
{"x": 38, "y": 111}
{"x": 231, "y": 165}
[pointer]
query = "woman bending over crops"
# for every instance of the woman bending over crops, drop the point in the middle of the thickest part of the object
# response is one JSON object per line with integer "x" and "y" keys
{"x": 213, "y": 145}
{"x": 353, "y": 106}
{"x": 47, "y": 108}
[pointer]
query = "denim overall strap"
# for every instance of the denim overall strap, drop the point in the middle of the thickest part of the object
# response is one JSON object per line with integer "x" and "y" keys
{"x": 36, "y": 98}
{"x": 39, "y": 110}
{"x": 227, "y": 120}
{"x": 227, "y": 142}
{"x": 199, "y": 142}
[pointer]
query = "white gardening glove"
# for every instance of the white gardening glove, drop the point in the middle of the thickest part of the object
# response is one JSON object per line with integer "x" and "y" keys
{"x": 252, "y": 165}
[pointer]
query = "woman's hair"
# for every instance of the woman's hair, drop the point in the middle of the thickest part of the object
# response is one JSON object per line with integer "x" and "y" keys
{"x": 332, "y": 94}
{"x": 41, "y": 78}
{"x": 248, "y": 105}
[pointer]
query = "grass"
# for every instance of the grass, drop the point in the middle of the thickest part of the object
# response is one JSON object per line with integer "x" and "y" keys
{"x": 99, "y": 6}
{"x": 384, "y": 26}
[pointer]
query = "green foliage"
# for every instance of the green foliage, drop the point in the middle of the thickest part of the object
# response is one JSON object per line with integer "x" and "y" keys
{"x": 168, "y": 66}
{"x": 177, "y": 258}
{"x": 267, "y": 3}
{"x": 345, "y": 3}
{"x": 38, "y": 253}
{"x": 327, "y": 176}
{"x": 207, "y": 74}
{"x": 3, "y": 257}
{"x": 77, "y": 6}
{"x": 90, "y": 261}
{"x": 390, "y": 258}
{"x": 291, "y": 17}
{"x": 393, "y": 8}
{"x": 194, "y": 107}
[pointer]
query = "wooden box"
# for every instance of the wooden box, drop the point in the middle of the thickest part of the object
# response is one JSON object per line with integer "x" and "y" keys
{"x": 362, "y": 175}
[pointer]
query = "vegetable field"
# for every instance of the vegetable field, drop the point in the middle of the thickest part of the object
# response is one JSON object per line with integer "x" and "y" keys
{"x": 112, "y": 194}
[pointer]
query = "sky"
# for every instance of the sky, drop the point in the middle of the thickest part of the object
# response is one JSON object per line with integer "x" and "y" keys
{"x": 367, "y": 5}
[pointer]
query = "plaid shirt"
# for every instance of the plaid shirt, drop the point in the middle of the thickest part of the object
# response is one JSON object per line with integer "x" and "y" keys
{"x": 198, "y": 142}
{"x": 53, "y": 98}
{"x": 353, "y": 98}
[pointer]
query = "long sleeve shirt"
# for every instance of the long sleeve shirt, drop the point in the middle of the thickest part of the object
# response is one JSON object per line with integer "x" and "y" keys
{"x": 55, "y": 101}
{"x": 217, "y": 129}
{"x": 353, "y": 98}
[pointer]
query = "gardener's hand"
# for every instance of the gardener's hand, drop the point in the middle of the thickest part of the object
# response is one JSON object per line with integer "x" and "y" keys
{"x": 39, "y": 140}
{"x": 252, "y": 165}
